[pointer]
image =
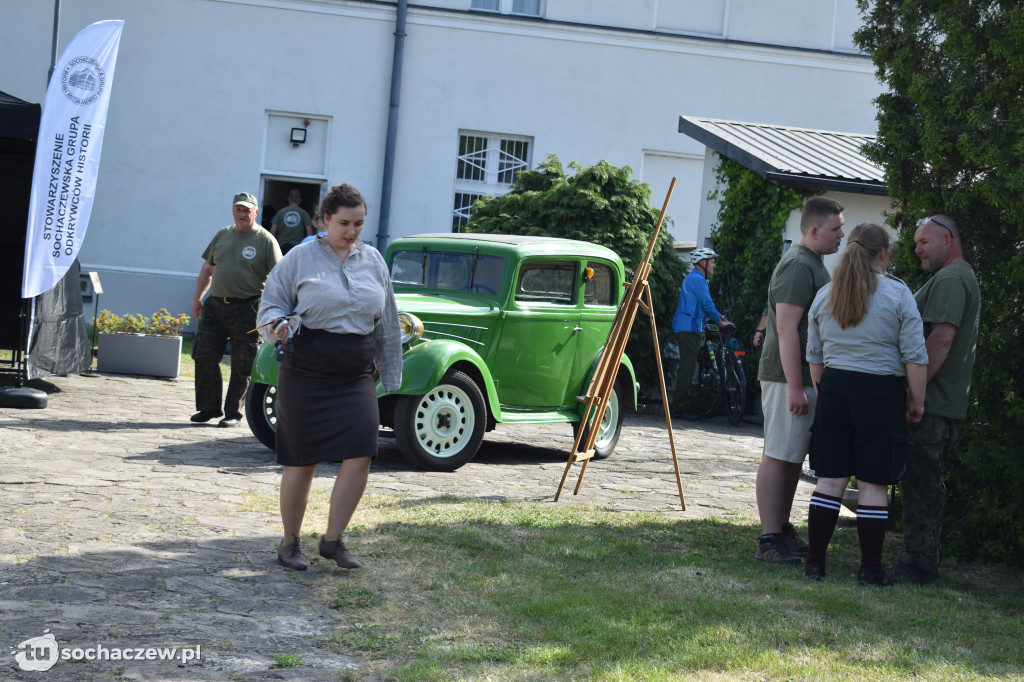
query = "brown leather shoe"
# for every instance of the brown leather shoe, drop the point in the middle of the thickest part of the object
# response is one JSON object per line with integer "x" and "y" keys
{"x": 291, "y": 556}
{"x": 335, "y": 549}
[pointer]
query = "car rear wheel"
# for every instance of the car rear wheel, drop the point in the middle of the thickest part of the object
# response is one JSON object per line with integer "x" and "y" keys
{"x": 261, "y": 412}
{"x": 443, "y": 428}
{"x": 611, "y": 426}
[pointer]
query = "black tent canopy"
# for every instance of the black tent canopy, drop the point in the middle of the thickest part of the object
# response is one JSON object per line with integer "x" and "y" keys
{"x": 19, "y": 126}
{"x": 59, "y": 343}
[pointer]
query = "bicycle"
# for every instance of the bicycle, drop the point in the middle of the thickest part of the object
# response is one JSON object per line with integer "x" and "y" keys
{"x": 720, "y": 379}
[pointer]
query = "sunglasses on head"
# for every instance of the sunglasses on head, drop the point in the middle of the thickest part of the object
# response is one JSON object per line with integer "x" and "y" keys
{"x": 922, "y": 221}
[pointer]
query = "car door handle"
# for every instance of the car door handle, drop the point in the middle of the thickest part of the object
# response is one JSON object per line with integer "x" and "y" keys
{"x": 577, "y": 328}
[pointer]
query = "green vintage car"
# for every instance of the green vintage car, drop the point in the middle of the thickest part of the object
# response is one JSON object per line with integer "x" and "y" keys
{"x": 497, "y": 329}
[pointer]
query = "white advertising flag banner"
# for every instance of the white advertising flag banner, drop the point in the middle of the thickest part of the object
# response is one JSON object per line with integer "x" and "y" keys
{"x": 68, "y": 155}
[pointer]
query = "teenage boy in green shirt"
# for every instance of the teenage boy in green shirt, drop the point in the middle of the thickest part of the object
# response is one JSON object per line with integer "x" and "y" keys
{"x": 787, "y": 396}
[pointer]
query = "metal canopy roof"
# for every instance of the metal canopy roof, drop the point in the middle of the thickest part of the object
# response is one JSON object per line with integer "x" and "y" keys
{"x": 796, "y": 157}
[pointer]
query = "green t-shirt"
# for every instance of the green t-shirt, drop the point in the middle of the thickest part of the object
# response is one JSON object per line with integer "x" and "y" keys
{"x": 796, "y": 280}
{"x": 241, "y": 261}
{"x": 291, "y": 225}
{"x": 952, "y": 296}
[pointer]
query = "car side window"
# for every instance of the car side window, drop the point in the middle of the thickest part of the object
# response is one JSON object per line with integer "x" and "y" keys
{"x": 598, "y": 289}
{"x": 424, "y": 269}
{"x": 547, "y": 282}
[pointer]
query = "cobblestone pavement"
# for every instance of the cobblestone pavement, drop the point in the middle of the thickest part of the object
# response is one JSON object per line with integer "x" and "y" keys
{"x": 123, "y": 524}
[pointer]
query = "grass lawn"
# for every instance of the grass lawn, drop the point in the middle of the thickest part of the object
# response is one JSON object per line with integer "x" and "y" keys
{"x": 457, "y": 589}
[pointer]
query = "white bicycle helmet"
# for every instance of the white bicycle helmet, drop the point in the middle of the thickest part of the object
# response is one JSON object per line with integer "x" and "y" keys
{"x": 697, "y": 255}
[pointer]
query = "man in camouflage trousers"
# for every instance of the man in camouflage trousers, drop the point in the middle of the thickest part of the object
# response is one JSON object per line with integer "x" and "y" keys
{"x": 950, "y": 305}
{"x": 236, "y": 266}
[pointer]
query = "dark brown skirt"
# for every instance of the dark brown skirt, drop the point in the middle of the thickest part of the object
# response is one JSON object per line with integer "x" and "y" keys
{"x": 326, "y": 399}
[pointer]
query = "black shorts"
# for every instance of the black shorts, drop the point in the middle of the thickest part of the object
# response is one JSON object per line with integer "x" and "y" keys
{"x": 860, "y": 427}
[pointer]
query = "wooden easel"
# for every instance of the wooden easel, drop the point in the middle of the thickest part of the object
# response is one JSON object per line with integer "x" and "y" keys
{"x": 603, "y": 383}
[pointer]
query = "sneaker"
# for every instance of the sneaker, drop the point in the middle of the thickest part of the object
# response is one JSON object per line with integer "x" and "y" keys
{"x": 865, "y": 576}
{"x": 797, "y": 546}
{"x": 291, "y": 556}
{"x": 775, "y": 551}
{"x": 814, "y": 570}
{"x": 908, "y": 575}
{"x": 335, "y": 549}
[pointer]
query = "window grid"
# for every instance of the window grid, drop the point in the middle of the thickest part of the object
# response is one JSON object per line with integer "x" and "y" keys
{"x": 524, "y": 7}
{"x": 472, "y": 158}
{"x": 531, "y": 7}
{"x": 487, "y": 164}
{"x": 512, "y": 159}
{"x": 460, "y": 215}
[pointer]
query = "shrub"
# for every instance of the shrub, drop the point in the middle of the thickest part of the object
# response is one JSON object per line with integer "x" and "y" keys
{"x": 950, "y": 137}
{"x": 162, "y": 323}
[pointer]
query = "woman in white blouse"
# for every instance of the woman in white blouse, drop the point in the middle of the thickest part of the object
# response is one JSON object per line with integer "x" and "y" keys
{"x": 330, "y": 300}
{"x": 865, "y": 346}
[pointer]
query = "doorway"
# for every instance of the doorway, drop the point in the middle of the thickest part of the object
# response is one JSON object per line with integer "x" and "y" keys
{"x": 275, "y": 197}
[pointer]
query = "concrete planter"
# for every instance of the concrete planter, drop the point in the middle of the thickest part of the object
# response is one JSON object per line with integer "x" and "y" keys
{"x": 157, "y": 356}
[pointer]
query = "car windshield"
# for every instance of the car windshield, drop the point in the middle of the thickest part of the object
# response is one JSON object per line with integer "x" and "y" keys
{"x": 447, "y": 270}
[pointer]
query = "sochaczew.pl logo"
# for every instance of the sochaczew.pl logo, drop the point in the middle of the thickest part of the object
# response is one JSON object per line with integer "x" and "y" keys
{"x": 39, "y": 654}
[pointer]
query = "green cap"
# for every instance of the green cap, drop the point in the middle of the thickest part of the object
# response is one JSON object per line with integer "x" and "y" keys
{"x": 245, "y": 199}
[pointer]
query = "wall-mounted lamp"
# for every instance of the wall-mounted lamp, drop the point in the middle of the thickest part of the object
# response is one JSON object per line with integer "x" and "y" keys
{"x": 298, "y": 136}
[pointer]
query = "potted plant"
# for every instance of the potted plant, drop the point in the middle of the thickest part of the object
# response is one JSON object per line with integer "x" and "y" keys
{"x": 134, "y": 344}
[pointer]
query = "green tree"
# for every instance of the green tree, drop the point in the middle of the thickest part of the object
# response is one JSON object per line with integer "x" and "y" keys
{"x": 604, "y": 205}
{"x": 951, "y": 139}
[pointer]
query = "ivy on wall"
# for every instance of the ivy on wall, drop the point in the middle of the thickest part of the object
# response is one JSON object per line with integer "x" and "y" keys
{"x": 748, "y": 238}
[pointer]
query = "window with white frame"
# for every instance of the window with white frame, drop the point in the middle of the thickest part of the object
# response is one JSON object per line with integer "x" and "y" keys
{"x": 487, "y": 164}
{"x": 525, "y": 7}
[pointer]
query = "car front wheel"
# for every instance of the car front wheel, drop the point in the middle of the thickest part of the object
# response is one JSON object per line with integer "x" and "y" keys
{"x": 611, "y": 426}
{"x": 443, "y": 428}
{"x": 261, "y": 412}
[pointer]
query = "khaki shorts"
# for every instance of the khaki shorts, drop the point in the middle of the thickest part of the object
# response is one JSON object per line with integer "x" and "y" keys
{"x": 786, "y": 436}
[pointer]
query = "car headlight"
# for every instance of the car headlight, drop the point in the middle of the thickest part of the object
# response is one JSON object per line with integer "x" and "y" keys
{"x": 411, "y": 326}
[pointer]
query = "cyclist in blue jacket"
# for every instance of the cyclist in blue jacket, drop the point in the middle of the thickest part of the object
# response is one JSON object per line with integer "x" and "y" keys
{"x": 695, "y": 306}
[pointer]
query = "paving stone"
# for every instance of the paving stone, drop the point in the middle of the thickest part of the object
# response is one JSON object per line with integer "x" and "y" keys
{"x": 124, "y": 523}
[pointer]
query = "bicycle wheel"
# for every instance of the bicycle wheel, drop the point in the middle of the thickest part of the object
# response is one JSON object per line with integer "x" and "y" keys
{"x": 734, "y": 385}
{"x": 706, "y": 392}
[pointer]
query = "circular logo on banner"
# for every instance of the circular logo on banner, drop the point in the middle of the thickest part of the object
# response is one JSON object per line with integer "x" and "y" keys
{"x": 249, "y": 252}
{"x": 83, "y": 80}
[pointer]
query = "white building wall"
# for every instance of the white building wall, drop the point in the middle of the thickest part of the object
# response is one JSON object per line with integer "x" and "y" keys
{"x": 205, "y": 88}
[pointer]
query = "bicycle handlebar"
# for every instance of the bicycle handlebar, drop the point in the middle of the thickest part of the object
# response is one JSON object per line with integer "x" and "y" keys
{"x": 724, "y": 329}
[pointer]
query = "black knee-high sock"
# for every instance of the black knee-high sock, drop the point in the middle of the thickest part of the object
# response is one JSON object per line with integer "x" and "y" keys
{"x": 821, "y": 523}
{"x": 871, "y": 523}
